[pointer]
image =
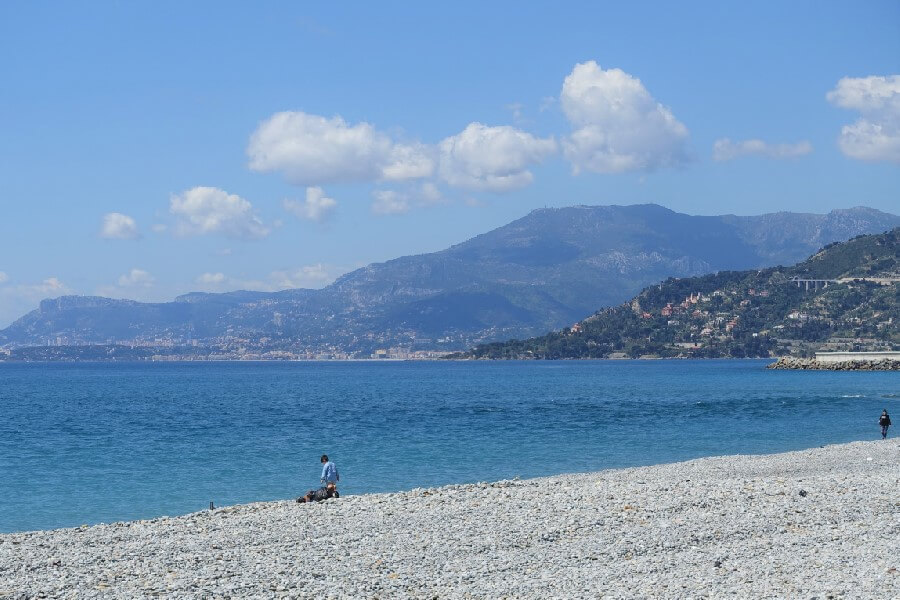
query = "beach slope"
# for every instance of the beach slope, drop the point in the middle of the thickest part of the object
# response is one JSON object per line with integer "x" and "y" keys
{"x": 817, "y": 523}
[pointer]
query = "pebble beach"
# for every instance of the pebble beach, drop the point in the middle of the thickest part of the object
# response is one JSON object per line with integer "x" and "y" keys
{"x": 820, "y": 523}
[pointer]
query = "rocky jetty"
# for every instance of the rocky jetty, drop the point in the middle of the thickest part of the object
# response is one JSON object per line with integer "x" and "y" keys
{"x": 788, "y": 362}
{"x": 816, "y": 523}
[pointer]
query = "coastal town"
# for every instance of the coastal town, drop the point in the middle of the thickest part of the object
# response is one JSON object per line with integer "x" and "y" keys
{"x": 718, "y": 314}
{"x": 224, "y": 349}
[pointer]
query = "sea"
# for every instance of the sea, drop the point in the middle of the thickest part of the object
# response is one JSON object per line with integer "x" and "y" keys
{"x": 86, "y": 443}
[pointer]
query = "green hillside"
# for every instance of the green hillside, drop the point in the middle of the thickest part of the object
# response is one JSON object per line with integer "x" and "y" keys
{"x": 755, "y": 313}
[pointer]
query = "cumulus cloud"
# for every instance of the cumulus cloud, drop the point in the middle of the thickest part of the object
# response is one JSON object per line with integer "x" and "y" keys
{"x": 311, "y": 149}
{"x": 136, "y": 278}
{"x": 390, "y": 202}
{"x": 202, "y": 210}
{"x": 516, "y": 109}
{"x": 317, "y": 206}
{"x": 875, "y": 136}
{"x": 16, "y": 300}
{"x": 117, "y": 226}
{"x": 725, "y": 149}
{"x": 3, "y": 277}
{"x": 307, "y": 276}
{"x": 618, "y": 125}
{"x": 430, "y": 194}
{"x": 408, "y": 161}
{"x": 210, "y": 278}
{"x": 491, "y": 158}
{"x": 49, "y": 286}
{"x": 396, "y": 202}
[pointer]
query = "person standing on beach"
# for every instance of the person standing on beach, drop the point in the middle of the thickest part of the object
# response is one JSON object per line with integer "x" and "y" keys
{"x": 329, "y": 471}
{"x": 885, "y": 422}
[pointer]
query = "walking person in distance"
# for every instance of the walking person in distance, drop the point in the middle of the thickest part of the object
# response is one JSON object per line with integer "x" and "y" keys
{"x": 885, "y": 422}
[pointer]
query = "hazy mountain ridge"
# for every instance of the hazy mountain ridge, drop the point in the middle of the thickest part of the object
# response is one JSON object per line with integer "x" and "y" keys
{"x": 538, "y": 273}
{"x": 766, "y": 312}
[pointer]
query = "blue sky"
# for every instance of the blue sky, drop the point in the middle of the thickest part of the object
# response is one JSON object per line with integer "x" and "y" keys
{"x": 150, "y": 149}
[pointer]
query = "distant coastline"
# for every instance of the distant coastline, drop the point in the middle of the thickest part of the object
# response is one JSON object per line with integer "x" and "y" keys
{"x": 450, "y": 356}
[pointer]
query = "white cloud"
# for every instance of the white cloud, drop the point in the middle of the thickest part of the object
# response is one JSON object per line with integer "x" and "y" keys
{"x": 308, "y": 276}
{"x": 516, "y": 108}
{"x": 136, "y": 284}
{"x": 17, "y": 300}
{"x": 317, "y": 207}
{"x": 876, "y": 135}
{"x": 618, "y": 125}
{"x": 311, "y": 149}
{"x": 725, "y": 149}
{"x": 408, "y": 161}
{"x": 867, "y": 93}
{"x": 136, "y": 278}
{"x": 117, "y": 226}
{"x": 430, "y": 194}
{"x": 211, "y": 279}
{"x": 51, "y": 286}
{"x": 159, "y": 228}
{"x": 389, "y": 202}
{"x": 492, "y": 158}
{"x": 204, "y": 210}
{"x": 3, "y": 277}
{"x": 38, "y": 291}
{"x": 396, "y": 202}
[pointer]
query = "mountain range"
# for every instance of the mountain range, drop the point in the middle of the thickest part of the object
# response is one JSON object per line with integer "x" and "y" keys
{"x": 541, "y": 272}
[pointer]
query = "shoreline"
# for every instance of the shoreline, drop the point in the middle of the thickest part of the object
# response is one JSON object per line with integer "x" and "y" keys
{"x": 811, "y": 522}
{"x": 379, "y": 360}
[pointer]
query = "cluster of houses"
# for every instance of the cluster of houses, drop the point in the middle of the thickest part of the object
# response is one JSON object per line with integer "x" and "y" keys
{"x": 689, "y": 308}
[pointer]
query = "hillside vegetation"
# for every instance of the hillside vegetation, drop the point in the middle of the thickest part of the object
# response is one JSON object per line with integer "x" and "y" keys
{"x": 756, "y": 313}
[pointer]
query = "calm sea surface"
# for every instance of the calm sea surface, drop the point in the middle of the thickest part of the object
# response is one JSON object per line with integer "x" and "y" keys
{"x": 89, "y": 443}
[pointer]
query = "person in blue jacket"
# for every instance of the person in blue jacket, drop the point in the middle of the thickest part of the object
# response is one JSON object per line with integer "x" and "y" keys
{"x": 329, "y": 471}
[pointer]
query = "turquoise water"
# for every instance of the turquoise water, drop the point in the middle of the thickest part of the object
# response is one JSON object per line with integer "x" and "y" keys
{"x": 88, "y": 443}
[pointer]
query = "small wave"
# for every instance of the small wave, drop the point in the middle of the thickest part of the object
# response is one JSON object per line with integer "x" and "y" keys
{"x": 890, "y": 395}
{"x": 852, "y": 396}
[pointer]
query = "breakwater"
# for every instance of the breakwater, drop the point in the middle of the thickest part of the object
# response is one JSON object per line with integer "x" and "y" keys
{"x": 791, "y": 363}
